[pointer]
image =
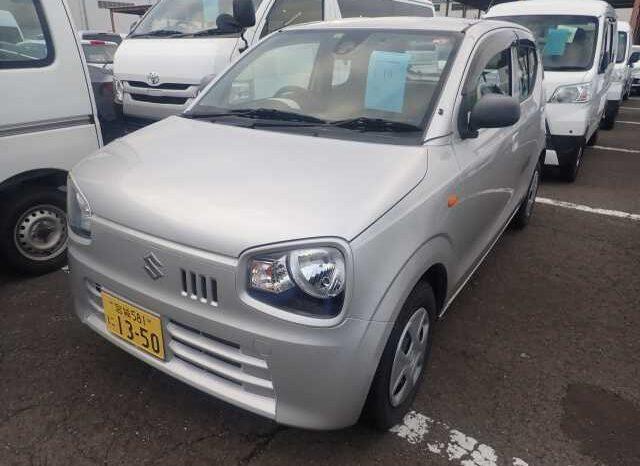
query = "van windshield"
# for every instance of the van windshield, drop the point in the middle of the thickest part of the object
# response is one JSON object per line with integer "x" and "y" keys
{"x": 622, "y": 47}
{"x": 357, "y": 80}
{"x": 171, "y": 18}
{"x": 566, "y": 42}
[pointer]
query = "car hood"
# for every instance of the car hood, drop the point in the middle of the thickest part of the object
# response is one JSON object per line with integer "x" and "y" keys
{"x": 225, "y": 189}
{"x": 174, "y": 60}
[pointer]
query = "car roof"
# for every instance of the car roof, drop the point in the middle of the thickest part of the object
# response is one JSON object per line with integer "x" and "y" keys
{"x": 401, "y": 23}
{"x": 542, "y": 7}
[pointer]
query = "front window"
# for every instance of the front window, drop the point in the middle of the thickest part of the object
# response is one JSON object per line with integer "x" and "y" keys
{"x": 622, "y": 47}
{"x": 339, "y": 80}
{"x": 566, "y": 43}
{"x": 379, "y": 8}
{"x": 99, "y": 53}
{"x": 24, "y": 38}
{"x": 171, "y": 18}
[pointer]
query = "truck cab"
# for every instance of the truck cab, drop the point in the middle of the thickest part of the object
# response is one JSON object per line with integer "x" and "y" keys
{"x": 179, "y": 46}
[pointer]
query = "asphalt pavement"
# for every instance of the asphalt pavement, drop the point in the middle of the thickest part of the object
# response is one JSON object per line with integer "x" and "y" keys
{"x": 536, "y": 363}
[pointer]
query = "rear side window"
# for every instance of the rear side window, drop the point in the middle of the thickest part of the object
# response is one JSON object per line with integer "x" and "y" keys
{"x": 527, "y": 68}
{"x": 378, "y": 8}
{"x": 24, "y": 36}
{"x": 289, "y": 12}
{"x": 622, "y": 47}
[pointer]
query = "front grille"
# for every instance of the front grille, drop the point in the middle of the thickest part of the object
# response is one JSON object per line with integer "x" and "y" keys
{"x": 159, "y": 99}
{"x": 199, "y": 287}
{"x": 220, "y": 358}
{"x": 168, "y": 86}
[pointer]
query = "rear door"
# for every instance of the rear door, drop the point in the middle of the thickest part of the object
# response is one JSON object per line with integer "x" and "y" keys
{"x": 46, "y": 114}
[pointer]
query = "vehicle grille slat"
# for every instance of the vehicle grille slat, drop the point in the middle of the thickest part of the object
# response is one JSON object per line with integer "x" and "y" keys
{"x": 216, "y": 366}
{"x": 198, "y": 287}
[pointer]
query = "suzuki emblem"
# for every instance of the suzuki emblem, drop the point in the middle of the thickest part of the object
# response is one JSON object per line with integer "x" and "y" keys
{"x": 153, "y": 266}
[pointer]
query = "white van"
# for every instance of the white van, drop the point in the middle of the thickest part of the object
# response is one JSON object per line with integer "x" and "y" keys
{"x": 634, "y": 61}
{"x": 47, "y": 124}
{"x": 621, "y": 82}
{"x": 177, "y": 46}
{"x": 578, "y": 41}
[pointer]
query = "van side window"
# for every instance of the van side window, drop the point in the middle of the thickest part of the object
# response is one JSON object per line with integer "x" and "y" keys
{"x": 288, "y": 12}
{"x": 378, "y": 8}
{"x": 527, "y": 68}
{"x": 24, "y": 37}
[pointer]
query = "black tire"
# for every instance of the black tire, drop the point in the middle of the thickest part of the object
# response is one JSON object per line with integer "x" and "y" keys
{"x": 379, "y": 410}
{"x": 593, "y": 140}
{"x": 522, "y": 218}
{"x": 609, "y": 118}
{"x": 570, "y": 171}
{"x": 13, "y": 213}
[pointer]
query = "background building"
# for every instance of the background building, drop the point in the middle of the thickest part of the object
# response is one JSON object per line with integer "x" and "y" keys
{"x": 95, "y": 14}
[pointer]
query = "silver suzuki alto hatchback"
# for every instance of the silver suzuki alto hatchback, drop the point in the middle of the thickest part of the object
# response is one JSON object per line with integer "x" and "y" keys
{"x": 288, "y": 244}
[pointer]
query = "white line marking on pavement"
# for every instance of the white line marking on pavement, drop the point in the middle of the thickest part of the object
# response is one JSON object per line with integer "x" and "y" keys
{"x": 628, "y": 122}
{"x": 629, "y": 108}
{"x": 618, "y": 149}
{"x": 449, "y": 443}
{"x": 591, "y": 210}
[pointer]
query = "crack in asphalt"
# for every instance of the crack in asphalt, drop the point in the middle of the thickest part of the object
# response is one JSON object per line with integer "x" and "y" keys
{"x": 261, "y": 445}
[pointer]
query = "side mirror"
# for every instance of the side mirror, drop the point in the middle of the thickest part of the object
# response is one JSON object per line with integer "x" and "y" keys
{"x": 204, "y": 82}
{"x": 494, "y": 111}
{"x": 133, "y": 26}
{"x": 604, "y": 62}
{"x": 634, "y": 59}
{"x": 244, "y": 13}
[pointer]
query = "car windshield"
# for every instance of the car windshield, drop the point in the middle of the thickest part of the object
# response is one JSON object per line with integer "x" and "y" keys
{"x": 622, "y": 47}
{"x": 99, "y": 53}
{"x": 360, "y": 80}
{"x": 171, "y": 18}
{"x": 567, "y": 43}
{"x": 378, "y": 8}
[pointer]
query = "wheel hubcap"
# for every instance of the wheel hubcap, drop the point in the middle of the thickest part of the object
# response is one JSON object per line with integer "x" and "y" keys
{"x": 409, "y": 357}
{"x": 41, "y": 233}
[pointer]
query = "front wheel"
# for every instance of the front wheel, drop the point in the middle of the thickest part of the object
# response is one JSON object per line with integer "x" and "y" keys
{"x": 401, "y": 368}
{"x": 522, "y": 218}
{"x": 33, "y": 231}
{"x": 571, "y": 170}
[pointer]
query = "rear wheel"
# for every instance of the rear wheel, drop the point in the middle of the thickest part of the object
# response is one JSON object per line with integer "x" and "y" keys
{"x": 522, "y": 218}
{"x": 593, "y": 140}
{"x": 570, "y": 171}
{"x": 401, "y": 368}
{"x": 33, "y": 231}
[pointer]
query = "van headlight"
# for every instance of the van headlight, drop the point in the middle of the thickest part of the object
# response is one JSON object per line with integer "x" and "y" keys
{"x": 78, "y": 211}
{"x": 308, "y": 281}
{"x": 118, "y": 91}
{"x": 574, "y": 94}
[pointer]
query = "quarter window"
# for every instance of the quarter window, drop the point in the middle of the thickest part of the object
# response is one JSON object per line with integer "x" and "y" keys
{"x": 622, "y": 47}
{"x": 288, "y": 12}
{"x": 24, "y": 37}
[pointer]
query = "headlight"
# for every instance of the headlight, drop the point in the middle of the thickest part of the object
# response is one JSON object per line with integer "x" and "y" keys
{"x": 118, "y": 91}
{"x": 574, "y": 94}
{"x": 304, "y": 281}
{"x": 78, "y": 211}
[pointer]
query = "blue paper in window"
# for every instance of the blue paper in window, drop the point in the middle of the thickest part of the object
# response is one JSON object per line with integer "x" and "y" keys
{"x": 556, "y": 42}
{"x": 210, "y": 10}
{"x": 386, "y": 81}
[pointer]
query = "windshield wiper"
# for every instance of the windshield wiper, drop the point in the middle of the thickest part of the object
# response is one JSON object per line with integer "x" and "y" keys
{"x": 376, "y": 124}
{"x": 262, "y": 114}
{"x": 211, "y": 32}
{"x": 160, "y": 33}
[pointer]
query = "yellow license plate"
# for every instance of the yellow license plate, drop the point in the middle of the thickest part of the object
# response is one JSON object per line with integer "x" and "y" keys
{"x": 133, "y": 325}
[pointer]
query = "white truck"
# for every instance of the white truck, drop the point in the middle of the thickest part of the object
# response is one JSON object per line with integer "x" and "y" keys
{"x": 179, "y": 46}
{"x": 47, "y": 124}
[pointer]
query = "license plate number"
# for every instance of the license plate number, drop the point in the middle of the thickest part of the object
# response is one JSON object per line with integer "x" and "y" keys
{"x": 135, "y": 326}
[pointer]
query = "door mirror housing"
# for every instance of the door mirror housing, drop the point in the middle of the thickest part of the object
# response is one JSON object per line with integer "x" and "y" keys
{"x": 244, "y": 13}
{"x": 634, "y": 59}
{"x": 494, "y": 111}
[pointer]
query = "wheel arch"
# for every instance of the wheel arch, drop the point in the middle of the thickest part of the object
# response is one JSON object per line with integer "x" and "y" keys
{"x": 41, "y": 177}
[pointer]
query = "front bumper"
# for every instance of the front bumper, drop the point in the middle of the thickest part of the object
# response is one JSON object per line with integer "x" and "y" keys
{"x": 635, "y": 82}
{"x": 561, "y": 150}
{"x": 315, "y": 378}
{"x": 568, "y": 119}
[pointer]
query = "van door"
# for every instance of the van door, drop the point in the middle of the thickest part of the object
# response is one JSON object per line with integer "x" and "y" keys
{"x": 487, "y": 161}
{"x": 604, "y": 70}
